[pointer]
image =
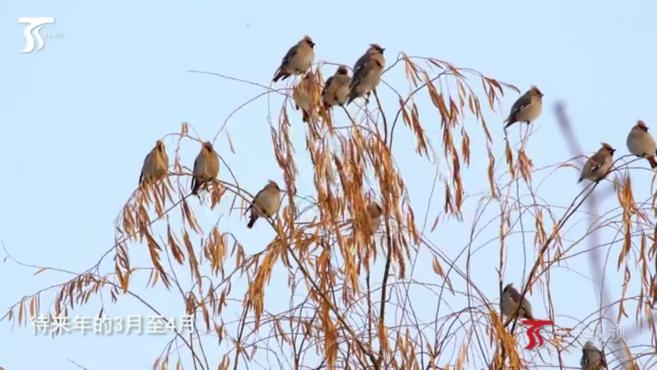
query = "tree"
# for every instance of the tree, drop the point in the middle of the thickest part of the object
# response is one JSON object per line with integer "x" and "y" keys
{"x": 358, "y": 292}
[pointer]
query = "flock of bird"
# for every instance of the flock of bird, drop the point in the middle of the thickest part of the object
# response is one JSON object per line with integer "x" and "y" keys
{"x": 341, "y": 89}
{"x": 639, "y": 143}
{"x": 206, "y": 169}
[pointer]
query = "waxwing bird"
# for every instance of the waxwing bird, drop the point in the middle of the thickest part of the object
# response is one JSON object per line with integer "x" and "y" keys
{"x": 367, "y": 73}
{"x": 336, "y": 88}
{"x": 592, "y": 358}
{"x": 374, "y": 212}
{"x": 265, "y": 203}
{"x": 527, "y": 108}
{"x": 510, "y": 300}
{"x": 155, "y": 165}
{"x": 642, "y": 144}
{"x": 597, "y": 167}
{"x": 306, "y": 96}
{"x": 206, "y": 167}
{"x": 297, "y": 60}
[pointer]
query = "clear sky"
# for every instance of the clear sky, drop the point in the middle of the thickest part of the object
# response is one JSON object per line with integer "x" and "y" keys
{"x": 78, "y": 117}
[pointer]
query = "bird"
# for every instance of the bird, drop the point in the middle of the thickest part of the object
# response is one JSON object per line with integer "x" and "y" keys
{"x": 592, "y": 358}
{"x": 155, "y": 165}
{"x": 306, "y": 96}
{"x": 511, "y": 299}
{"x": 265, "y": 203}
{"x": 527, "y": 108}
{"x": 297, "y": 60}
{"x": 597, "y": 167}
{"x": 206, "y": 167}
{"x": 336, "y": 88}
{"x": 642, "y": 144}
{"x": 367, "y": 73}
{"x": 374, "y": 212}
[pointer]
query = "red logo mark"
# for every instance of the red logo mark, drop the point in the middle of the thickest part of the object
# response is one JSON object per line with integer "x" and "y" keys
{"x": 533, "y": 334}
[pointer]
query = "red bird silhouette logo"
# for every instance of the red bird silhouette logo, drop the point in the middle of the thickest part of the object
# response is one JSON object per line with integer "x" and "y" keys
{"x": 533, "y": 333}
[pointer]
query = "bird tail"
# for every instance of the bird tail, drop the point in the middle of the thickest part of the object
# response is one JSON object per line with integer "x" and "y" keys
{"x": 280, "y": 74}
{"x": 509, "y": 122}
{"x": 653, "y": 162}
{"x": 252, "y": 220}
{"x": 195, "y": 186}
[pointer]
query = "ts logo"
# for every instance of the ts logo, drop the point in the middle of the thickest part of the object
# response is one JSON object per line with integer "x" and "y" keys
{"x": 32, "y": 32}
{"x": 533, "y": 334}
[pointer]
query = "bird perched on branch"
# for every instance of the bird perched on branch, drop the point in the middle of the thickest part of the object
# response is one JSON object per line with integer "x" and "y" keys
{"x": 367, "y": 73}
{"x": 206, "y": 167}
{"x": 265, "y": 203}
{"x": 527, "y": 108}
{"x": 597, "y": 167}
{"x": 511, "y": 298}
{"x": 306, "y": 96}
{"x": 297, "y": 60}
{"x": 374, "y": 212}
{"x": 336, "y": 88}
{"x": 642, "y": 144}
{"x": 592, "y": 358}
{"x": 155, "y": 165}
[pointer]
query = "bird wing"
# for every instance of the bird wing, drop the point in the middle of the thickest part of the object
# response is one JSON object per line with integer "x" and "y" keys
{"x": 359, "y": 69}
{"x": 520, "y": 104}
{"x": 362, "y": 68}
{"x": 515, "y": 295}
{"x": 254, "y": 200}
{"x": 198, "y": 165}
{"x": 327, "y": 84}
{"x": 584, "y": 360}
{"x": 527, "y": 307}
{"x": 595, "y": 162}
{"x": 290, "y": 55}
{"x": 147, "y": 166}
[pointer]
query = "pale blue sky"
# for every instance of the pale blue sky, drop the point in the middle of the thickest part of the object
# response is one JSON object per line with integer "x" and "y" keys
{"x": 78, "y": 117}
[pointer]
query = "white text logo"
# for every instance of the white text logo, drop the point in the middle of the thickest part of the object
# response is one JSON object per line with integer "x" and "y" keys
{"x": 32, "y": 32}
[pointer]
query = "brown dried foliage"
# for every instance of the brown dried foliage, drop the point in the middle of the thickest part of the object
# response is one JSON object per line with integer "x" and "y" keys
{"x": 353, "y": 291}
